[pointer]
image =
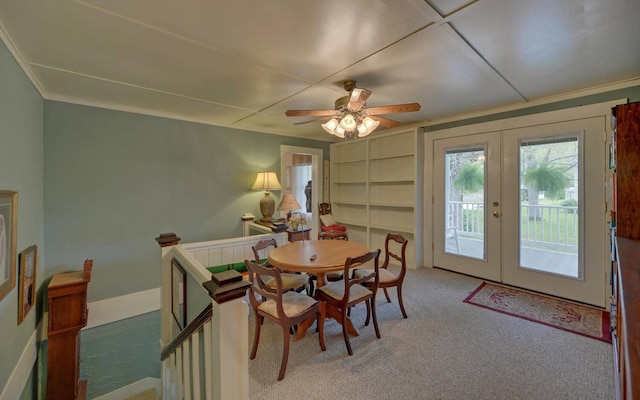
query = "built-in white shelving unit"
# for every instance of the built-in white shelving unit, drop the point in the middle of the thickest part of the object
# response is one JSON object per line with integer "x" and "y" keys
{"x": 376, "y": 189}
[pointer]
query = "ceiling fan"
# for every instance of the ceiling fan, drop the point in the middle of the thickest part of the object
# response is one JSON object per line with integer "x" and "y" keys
{"x": 351, "y": 117}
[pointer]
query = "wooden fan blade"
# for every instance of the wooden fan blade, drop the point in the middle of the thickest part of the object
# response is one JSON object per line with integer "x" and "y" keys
{"x": 312, "y": 113}
{"x": 312, "y": 120}
{"x": 387, "y": 123}
{"x": 397, "y": 108}
{"x": 357, "y": 99}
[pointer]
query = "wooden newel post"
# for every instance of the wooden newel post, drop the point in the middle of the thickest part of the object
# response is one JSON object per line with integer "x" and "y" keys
{"x": 226, "y": 286}
{"x": 168, "y": 239}
{"x": 230, "y": 329}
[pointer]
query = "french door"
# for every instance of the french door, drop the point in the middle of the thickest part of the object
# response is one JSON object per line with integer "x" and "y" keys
{"x": 524, "y": 207}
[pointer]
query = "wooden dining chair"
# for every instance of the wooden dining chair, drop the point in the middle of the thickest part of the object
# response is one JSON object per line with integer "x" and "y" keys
{"x": 327, "y": 223}
{"x": 333, "y": 235}
{"x": 346, "y": 293}
{"x": 395, "y": 247}
{"x": 290, "y": 281}
{"x": 285, "y": 308}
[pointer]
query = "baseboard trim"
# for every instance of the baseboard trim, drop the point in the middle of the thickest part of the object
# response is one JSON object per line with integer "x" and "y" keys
{"x": 105, "y": 311}
{"x": 20, "y": 374}
{"x": 134, "y": 388}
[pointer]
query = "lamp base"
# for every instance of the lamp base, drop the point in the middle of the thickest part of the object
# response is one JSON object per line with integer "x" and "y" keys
{"x": 267, "y": 207}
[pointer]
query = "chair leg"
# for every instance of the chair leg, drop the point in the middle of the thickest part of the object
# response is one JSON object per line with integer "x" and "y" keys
{"x": 320, "y": 323}
{"x": 366, "y": 322}
{"x": 345, "y": 334}
{"x": 311, "y": 290}
{"x": 285, "y": 352}
{"x": 404, "y": 313}
{"x": 387, "y": 295}
{"x": 375, "y": 317}
{"x": 256, "y": 336}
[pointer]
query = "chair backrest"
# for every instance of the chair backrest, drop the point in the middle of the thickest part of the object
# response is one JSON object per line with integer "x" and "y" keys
{"x": 338, "y": 235}
{"x": 348, "y": 283}
{"x": 395, "y": 246}
{"x": 262, "y": 245}
{"x": 324, "y": 208}
{"x": 258, "y": 276}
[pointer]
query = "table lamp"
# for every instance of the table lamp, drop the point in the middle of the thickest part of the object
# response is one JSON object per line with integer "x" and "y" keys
{"x": 289, "y": 203}
{"x": 267, "y": 181}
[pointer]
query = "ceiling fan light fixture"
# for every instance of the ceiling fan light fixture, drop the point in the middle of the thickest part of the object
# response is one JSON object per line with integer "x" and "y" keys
{"x": 350, "y": 117}
{"x": 330, "y": 126}
{"x": 367, "y": 126}
{"x": 348, "y": 123}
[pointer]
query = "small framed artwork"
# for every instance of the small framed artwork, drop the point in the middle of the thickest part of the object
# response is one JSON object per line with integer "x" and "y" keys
{"x": 8, "y": 239}
{"x": 178, "y": 294}
{"x": 27, "y": 285}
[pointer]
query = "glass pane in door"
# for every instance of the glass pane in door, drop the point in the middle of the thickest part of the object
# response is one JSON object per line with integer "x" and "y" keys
{"x": 549, "y": 208}
{"x": 464, "y": 229}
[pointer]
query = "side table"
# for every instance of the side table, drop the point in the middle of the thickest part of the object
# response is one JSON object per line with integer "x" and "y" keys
{"x": 299, "y": 234}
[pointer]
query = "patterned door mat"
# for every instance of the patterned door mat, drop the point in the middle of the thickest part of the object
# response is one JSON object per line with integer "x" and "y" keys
{"x": 572, "y": 317}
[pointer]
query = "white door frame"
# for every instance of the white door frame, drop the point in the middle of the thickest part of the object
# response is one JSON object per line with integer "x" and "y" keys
{"x": 316, "y": 177}
{"x": 593, "y": 110}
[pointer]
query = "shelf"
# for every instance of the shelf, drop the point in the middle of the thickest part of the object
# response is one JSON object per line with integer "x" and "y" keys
{"x": 386, "y": 157}
{"x": 349, "y": 203}
{"x": 355, "y": 160}
{"x": 390, "y": 182}
{"x": 395, "y": 205}
{"x": 353, "y": 223}
{"x": 393, "y": 228}
{"x": 350, "y": 182}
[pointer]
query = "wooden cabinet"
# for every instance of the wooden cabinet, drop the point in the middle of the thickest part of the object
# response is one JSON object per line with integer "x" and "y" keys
{"x": 626, "y": 318}
{"x": 626, "y": 250}
{"x": 67, "y": 295}
{"x": 627, "y": 170}
{"x": 375, "y": 190}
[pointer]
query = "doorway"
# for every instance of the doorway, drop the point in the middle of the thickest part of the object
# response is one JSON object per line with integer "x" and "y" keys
{"x": 523, "y": 207}
{"x": 301, "y": 172}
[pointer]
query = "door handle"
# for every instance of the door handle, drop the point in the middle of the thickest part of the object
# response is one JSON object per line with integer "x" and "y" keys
{"x": 496, "y": 214}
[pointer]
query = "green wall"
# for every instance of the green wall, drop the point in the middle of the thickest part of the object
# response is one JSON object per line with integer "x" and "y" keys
{"x": 21, "y": 170}
{"x": 114, "y": 181}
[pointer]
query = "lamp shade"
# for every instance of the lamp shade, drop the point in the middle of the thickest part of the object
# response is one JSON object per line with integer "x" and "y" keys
{"x": 288, "y": 203}
{"x": 266, "y": 181}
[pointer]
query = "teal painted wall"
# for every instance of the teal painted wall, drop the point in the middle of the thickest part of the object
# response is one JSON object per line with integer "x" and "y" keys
{"x": 21, "y": 170}
{"x": 120, "y": 353}
{"x": 113, "y": 182}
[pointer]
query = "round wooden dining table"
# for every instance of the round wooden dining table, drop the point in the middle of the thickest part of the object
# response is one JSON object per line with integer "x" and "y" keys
{"x": 317, "y": 257}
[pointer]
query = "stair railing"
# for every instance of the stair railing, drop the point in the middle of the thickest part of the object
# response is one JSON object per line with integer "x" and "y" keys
{"x": 207, "y": 358}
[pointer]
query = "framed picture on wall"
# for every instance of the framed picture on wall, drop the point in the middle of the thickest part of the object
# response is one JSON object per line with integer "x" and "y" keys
{"x": 8, "y": 238}
{"x": 27, "y": 285}
{"x": 178, "y": 294}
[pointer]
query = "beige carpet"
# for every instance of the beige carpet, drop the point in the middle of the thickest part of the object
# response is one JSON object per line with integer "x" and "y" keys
{"x": 446, "y": 349}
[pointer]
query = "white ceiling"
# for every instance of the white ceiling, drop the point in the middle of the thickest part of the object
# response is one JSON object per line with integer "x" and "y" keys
{"x": 244, "y": 63}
